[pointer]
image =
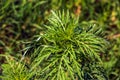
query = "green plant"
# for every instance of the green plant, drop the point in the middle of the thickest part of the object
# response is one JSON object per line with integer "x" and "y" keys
{"x": 64, "y": 51}
{"x": 67, "y": 51}
{"x": 21, "y": 19}
{"x": 15, "y": 70}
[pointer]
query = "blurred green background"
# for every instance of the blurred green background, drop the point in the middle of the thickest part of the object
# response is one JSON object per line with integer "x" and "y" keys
{"x": 22, "y": 20}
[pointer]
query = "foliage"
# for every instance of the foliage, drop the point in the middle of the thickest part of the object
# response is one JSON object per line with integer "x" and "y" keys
{"x": 21, "y": 20}
{"x": 66, "y": 50}
{"x": 15, "y": 70}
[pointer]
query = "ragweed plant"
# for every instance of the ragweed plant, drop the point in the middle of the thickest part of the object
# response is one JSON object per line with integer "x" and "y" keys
{"x": 67, "y": 51}
{"x": 15, "y": 70}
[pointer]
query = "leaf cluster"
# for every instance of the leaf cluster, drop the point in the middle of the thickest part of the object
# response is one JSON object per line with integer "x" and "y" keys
{"x": 66, "y": 50}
